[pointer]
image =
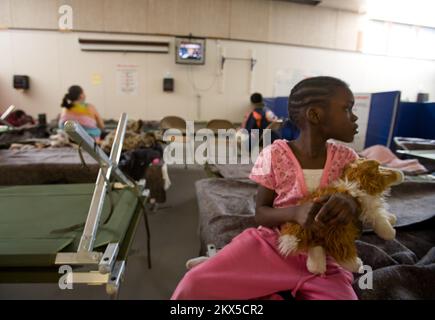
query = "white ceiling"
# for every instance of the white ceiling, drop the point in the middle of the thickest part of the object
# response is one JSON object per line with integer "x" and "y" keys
{"x": 348, "y": 5}
{"x": 413, "y": 12}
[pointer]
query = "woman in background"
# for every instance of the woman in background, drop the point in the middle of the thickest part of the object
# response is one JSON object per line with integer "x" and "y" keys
{"x": 75, "y": 108}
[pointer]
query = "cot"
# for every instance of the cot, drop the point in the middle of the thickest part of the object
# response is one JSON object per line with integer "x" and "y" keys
{"x": 69, "y": 234}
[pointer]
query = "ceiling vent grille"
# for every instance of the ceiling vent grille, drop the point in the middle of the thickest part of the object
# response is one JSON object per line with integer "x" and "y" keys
{"x": 123, "y": 45}
{"x": 306, "y": 2}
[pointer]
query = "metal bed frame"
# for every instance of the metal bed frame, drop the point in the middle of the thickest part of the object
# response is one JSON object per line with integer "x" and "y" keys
{"x": 103, "y": 267}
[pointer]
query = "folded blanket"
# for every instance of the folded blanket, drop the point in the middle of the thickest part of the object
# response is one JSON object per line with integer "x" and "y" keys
{"x": 403, "y": 268}
{"x": 389, "y": 159}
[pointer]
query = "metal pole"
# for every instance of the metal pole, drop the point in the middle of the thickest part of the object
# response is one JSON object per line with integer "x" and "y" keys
{"x": 5, "y": 115}
{"x": 107, "y": 165}
{"x": 80, "y": 136}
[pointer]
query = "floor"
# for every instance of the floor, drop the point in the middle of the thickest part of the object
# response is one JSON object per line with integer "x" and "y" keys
{"x": 174, "y": 239}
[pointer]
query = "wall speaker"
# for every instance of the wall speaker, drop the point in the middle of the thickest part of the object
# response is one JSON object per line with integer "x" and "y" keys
{"x": 168, "y": 84}
{"x": 21, "y": 82}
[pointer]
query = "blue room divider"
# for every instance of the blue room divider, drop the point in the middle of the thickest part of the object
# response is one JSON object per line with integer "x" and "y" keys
{"x": 278, "y": 105}
{"x": 416, "y": 119}
{"x": 382, "y": 118}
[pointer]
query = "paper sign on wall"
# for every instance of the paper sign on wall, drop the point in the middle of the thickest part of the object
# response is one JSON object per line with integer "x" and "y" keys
{"x": 286, "y": 79}
{"x": 127, "y": 80}
{"x": 361, "y": 109}
{"x": 96, "y": 79}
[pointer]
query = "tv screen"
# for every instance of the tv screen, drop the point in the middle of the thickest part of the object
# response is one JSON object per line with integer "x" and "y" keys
{"x": 190, "y": 50}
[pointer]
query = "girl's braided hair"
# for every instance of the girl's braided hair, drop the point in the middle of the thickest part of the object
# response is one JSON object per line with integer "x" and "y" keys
{"x": 311, "y": 91}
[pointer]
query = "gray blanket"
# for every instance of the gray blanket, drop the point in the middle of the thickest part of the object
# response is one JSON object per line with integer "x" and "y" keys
{"x": 403, "y": 268}
{"x": 233, "y": 171}
{"x": 62, "y": 166}
{"x": 45, "y": 166}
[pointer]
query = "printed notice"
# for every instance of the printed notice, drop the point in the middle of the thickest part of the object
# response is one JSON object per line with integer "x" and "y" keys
{"x": 361, "y": 109}
{"x": 286, "y": 79}
{"x": 127, "y": 80}
{"x": 96, "y": 79}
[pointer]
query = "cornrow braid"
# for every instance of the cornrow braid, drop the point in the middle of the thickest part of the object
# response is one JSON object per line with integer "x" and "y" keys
{"x": 311, "y": 91}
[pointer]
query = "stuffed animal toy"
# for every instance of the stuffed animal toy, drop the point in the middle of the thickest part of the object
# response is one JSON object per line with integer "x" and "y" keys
{"x": 368, "y": 183}
{"x": 134, "y": 138}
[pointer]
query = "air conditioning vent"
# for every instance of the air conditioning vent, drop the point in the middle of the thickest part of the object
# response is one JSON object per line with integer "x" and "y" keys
{"x": 307, "y": 2}
{"x": 109, "y": 45}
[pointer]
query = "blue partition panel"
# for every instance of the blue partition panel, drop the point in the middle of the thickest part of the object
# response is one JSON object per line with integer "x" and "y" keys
{"x": 382, "y": 118}
{"x": 426, "y": 121}
{"x": 407, "y": 119}
{"x": 278, "y": 105}
{"x": 416, "y": 120}
{"x": 281, "y": 107}
{"x": 270, "y": 103}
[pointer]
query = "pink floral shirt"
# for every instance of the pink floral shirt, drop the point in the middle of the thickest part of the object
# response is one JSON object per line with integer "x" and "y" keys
{"x": 278, "y": 169}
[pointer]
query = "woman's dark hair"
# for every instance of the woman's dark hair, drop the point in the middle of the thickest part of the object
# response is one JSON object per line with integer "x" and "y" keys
{"x": 19, "y": 113}
{"x": 256, "y": 98}
{"x": 73, "y": 94}
{"x": 312, "y": 91}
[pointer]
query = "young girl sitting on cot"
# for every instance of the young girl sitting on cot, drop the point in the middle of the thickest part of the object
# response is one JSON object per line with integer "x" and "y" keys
{"x": 251, "y": 266}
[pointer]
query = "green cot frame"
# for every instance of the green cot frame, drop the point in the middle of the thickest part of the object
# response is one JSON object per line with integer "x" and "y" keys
{"x": 85, "y": 264}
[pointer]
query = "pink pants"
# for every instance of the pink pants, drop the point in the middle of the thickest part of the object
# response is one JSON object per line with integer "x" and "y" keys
{"x": 251, "y": 267}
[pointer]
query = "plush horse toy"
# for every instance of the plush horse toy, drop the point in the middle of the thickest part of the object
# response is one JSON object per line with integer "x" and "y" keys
{"x": 368, "y": 183}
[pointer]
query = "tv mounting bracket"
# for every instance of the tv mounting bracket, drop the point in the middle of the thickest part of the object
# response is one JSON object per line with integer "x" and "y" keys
{"x": 252, "y": 60}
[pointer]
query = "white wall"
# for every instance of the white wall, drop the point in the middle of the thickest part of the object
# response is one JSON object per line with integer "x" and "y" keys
{"x": 53, "y": 61}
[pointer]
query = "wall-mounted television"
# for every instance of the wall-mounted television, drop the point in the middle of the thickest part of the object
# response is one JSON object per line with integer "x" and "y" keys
{"x": 190, "y": 50}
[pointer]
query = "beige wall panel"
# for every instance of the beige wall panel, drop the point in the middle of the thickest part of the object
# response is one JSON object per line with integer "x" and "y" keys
{"x": 5, "y": 13}
{"x": 34, "y": 14}
{"x": 6, "y": 91}
{"x": 214, "y": 18}
{"x": 285, "y": 23}
{"x": 318, "y": 27}
{"x": 188, "y": 13}
{"x": 249, "y": 20}
{"x": 181, "y": 17}
{"x": 161, "y": 17}
{"x": 256, "y": 20}
{"x": 125, "y": 16}
{"x": 346, "y": 36}
{"x": 87, "y": 15}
